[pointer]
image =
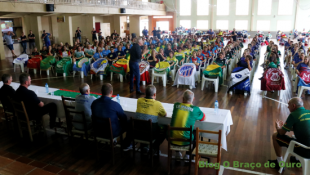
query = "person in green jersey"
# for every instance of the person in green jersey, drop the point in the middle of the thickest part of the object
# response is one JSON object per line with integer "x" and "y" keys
{"x": 299, "y": 122}
{"x": 185, "y": 115}
{"x": 89, "y": 52}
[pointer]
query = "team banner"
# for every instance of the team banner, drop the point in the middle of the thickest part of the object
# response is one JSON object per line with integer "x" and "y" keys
{"x": 98, "y": 67}
{"x": 273, "y": 79}
{"x": 214, "y": 71}
{"x": 305, "y": 76}
{"x": 144, "y": 67}
{"x": 64, "y": 65}
{"x": 47, "y": 62}
{"x": 162, "y": 67}
{"x": 239, "y": 79}
{"x": 82, "y": 65}
{"x": 21, "y": 59}
{"x": 186, "y": 75}
{"x": 34, "y": 62}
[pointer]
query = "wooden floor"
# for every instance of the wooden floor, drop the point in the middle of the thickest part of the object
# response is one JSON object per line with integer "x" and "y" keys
{"x": 249, "y": 139}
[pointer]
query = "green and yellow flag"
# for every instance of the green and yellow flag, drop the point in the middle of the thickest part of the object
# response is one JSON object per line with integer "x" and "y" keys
{"x": 214, "y": 71}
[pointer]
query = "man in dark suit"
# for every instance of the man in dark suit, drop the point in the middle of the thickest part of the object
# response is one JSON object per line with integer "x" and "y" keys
{"x": 6, "y": 91}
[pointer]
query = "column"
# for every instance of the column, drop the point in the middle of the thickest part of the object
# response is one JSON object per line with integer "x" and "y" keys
{"x": 134, "y": 24}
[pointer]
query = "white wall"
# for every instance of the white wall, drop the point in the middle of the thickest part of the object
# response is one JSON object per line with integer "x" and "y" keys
{"x": 252, "y": 17}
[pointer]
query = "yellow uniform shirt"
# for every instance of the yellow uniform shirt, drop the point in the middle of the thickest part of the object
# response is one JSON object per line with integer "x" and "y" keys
{"x": 148, "y": 108}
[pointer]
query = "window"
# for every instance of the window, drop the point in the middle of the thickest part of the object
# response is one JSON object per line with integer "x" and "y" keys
{"x": 162, "y": 16}
{"x": 263, "y": 25}
{"x": 202, "y": 24}
{"x": 202, "y": 7}
{"x": 222, "y": 24}
{"x": 222, "y": 7}
{"x": 264, "y": 7}
{"x": 241, "y": 24}
{"x": 242, "y": 7}
{"x": 284, "y": 25}
{"x": 285, "y": 7}
{"x": 185, "y": 7}
{"x": 186, "y": 23}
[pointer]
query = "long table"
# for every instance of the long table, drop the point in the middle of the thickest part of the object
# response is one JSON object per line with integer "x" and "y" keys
{"x": 213, "y": 122}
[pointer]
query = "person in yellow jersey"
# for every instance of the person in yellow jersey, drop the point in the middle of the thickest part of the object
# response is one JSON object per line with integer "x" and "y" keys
{"x": 179, "y": 55}
{"x": 148, "y": 108}
{"x": 185, "y": 115}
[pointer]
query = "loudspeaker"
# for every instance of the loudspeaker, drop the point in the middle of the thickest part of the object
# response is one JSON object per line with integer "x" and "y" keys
{"x": 123, "y": 10}
{"x": 133, "y": 35}
{"x": 50, "y": 7}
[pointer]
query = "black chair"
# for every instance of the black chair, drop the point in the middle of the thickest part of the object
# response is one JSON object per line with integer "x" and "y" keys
{"x": 8, "y": 115}
{"x": 172, "y": 147}
{"x": 102, "y": 132}
{"x": 139, "y": 128}
{"x": 32, "y": 126}
{"x": 70, "y": 112}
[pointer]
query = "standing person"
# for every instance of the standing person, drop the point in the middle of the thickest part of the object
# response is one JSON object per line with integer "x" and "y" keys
{"x": 9, "y": 42}
{"x": 154, "y": 32}
{"x": 31, "y": 39}
{"x": 135, "y": 58}
{"x": 78, "y": 33}
{"x": 45, "y": 37}
{"x": 158, "y": 33}
{"x": 234, "y": 34}
{"x": 145, "y": 32}
{"x": 23, "y": 42}
{"x": 93, "y": 33}
{"x": 114, "y": 34}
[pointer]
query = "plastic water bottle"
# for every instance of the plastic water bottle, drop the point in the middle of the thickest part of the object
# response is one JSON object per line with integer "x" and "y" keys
{"x": 216, "y": 107}
{"x": 46, "y": 88}
{"x": 118, "y": 99}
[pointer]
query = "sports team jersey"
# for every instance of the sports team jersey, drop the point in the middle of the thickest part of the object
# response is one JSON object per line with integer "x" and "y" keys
{"x": 148, "y": 108}
{"x": 97, "y": 55}
{"x": 299, "y": 122}
{"x": 120, "y": 53}
{"x": 145, "y": 56}
{"x": 196, "y": 48}
{"x": 207, "y": 54}
{"x": 89, "y": 51}
{"x": 220, "y": 62}
{"x": 157, "y": 48}
{"x": 184, "y": 115}
{"x": 179, "y": 56}
{"x": 228, "y": 56}
{"x": 127, "y": 51}
{"x": 170, "y": 60}
{"x": 104, "y": 53}
{"x": 79, "y": 54}
{"x": 201, "y": 57}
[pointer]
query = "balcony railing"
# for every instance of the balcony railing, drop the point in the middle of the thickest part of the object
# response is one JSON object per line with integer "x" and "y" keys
{"x": 134, "y": 4}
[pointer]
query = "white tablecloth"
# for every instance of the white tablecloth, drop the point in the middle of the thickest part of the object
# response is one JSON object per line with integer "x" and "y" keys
{"x": 212, "y": 122}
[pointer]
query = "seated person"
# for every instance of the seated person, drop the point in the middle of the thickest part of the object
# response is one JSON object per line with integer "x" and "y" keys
{"x": 35, "y": 52}
{"x": 146, "y": 53}
{"x": 298, "y": 58}
{"x": 297, "y": 122}
{"x": 246, "y": 63}
{"x": 106, "y": 51}
{"x": 185, "y": 115}
{"x": 105, "y": 107}
{"x": 97, "y": 54}
{"x": 168, "y": 50}
{"x": 152, "y": 60}
{"x": 161, "y": 55}
{"x": 127, "y": 50}
{"x": 171, "y": 59}
{"x": 64, "y": 53}
{"x": 111, "y": 56}
{"x": 149, "y": 108}
{"x": 220, "y": 61}
{"x": 120, "y": 53}
{"x": 44, "y": 52}
{"x": 89, "y": 52}
{"x": 78, "y": 54}
{"x": 7, "y": 91}
{"x": 35, "y": 108}
{"x": 303, "y": 66}
{"x": 274, "y": 61}
{"x": 180, "y": 56}
{"x": 194, "y": 59}
{"x": 83, "y": 102}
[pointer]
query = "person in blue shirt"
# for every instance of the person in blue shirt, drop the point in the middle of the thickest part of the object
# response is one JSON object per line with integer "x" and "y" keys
{"x": 45, "y": 37}
{"x": 9, "y": 42}
{"x": 106, "y": 51}
{"x": 123, "y": 47}
{"x": 111, "y": 56}
{"x": 127, "y": 49}
{"x": 194, "y": 59}
{"x": 299, "y": 58}
{"x": 120, "y": 54}
{"x": 246, "y": 63}
{"x": 303, "y": 66}
{"x": 105, "y": 107}
{"x": 97, "y": 55}
{"x": 153, "y": 41}
{"x": 146, "y": 43}
{"x": 145, "y": 32}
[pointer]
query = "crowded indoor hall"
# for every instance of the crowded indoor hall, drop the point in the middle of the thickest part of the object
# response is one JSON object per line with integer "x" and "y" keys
{"x": 136, "y": 87}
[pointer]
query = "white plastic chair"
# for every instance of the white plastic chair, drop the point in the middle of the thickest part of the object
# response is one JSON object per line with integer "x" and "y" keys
{"x": 305, "y": 163}
{"x": 214, "y": 80}
{"x": 174, "y": 71}
{"x": 162, "y": 75}
{"x": 301, "y": 89}
{"x": 81, "y": 72}
{"x": 22, "y": 66}
{"x": 20, "y": 61}
{"x": 91, "y": 77}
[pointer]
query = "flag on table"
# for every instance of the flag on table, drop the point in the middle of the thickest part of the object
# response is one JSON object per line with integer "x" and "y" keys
{"x": 214, "y": 71}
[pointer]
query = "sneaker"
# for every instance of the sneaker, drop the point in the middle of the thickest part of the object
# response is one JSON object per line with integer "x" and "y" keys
{"x": 186, "y": 158}
{"x": 128, "y": 148}
{"x": 178, "y": 155}
{"x": 277, "y": 167}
